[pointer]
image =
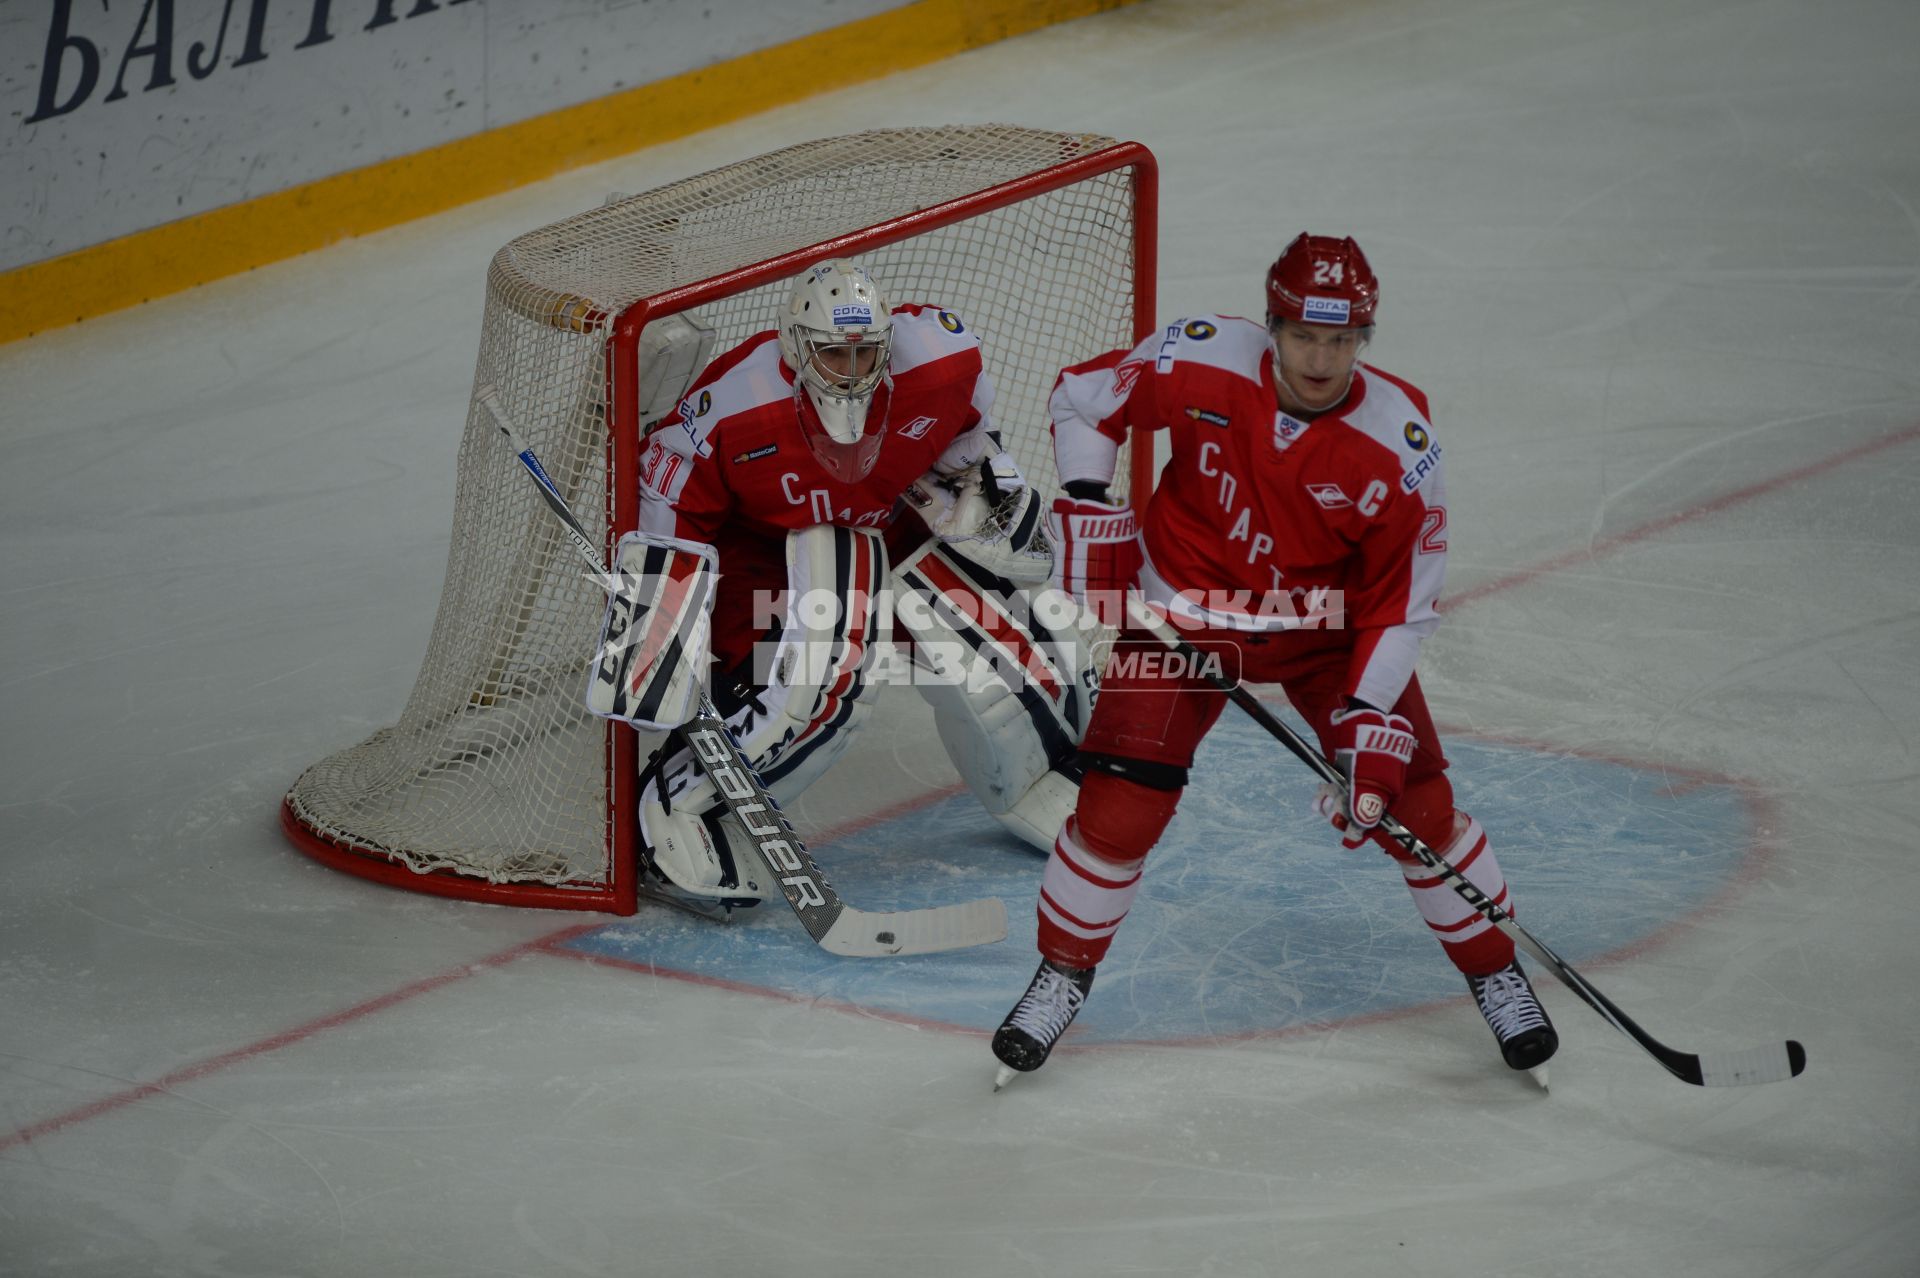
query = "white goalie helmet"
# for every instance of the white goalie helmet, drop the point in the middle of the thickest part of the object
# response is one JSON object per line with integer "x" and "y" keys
{"x": 837, "y": 337}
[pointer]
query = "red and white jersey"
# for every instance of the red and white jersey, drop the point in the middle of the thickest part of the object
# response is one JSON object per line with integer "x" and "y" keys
{"x": 731, "y": 467}
{"x": 1256, "y": 510}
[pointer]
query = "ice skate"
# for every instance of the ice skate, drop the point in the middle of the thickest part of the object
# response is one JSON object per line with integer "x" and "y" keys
{"x": 704, "y": 864}
{"x": 1039, "y": 1019}
{"x": 1527, "y": 1037}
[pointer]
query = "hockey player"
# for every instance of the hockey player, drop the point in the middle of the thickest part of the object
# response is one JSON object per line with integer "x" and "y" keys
{"x": 1298, "y": 475}
{"x": 793, "y": 460}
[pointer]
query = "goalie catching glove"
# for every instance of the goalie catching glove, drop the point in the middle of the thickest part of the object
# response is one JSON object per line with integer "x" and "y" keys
{"x": 989, "y": 513}
{"x": 1372, "y": 748}
{"x": 1096, "y": 554}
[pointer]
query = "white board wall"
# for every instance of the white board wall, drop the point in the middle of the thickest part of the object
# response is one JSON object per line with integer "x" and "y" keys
{"x": 121, "y": 117}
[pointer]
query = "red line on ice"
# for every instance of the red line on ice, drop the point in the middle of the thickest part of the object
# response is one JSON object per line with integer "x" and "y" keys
{"x": 1653, "y": 527}
{"x": 551, "y": 942}
{"x": 286, "y": 1038}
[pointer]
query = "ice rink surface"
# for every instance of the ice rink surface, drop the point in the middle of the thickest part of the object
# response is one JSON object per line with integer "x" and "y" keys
{"x": 1657, "y": 264}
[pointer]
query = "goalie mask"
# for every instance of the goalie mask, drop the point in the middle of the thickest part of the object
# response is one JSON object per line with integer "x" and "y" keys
{"x": 837, "y": 337}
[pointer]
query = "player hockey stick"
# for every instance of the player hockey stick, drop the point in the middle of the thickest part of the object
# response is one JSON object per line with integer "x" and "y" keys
{"x": 1769, "y": 1063}
{"x": 834, "y": 925}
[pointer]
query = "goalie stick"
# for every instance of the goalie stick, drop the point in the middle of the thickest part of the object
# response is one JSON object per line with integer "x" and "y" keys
{"x": 834, "y": 925}
{"x": 1769, "y": 1063}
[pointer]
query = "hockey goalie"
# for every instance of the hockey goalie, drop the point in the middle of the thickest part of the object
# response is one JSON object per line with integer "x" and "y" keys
{"x": 826, "y": 491}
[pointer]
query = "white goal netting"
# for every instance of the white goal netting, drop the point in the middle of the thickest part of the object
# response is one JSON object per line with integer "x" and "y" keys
{"x": 494, "y": 771}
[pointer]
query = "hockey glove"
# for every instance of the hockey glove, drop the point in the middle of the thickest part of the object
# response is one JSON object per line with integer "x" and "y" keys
{"x": 1372, "y": 747}
{"x": 651, "y": 665}
{"x": 1096, "y": 553}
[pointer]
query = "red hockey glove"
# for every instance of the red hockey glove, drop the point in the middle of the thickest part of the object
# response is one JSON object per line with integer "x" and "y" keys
{"x": 1096, "y": 553}
{"x": 1373, "y": 748}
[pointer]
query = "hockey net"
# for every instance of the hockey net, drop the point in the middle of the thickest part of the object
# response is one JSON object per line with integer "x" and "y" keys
{"x": 496, "y": 784}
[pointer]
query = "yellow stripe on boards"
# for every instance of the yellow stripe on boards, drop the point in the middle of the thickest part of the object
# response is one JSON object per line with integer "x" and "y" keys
{"x": 226, "y": 241}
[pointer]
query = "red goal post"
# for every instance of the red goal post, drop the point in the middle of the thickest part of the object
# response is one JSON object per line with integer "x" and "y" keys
{"x": 495, "y": 784}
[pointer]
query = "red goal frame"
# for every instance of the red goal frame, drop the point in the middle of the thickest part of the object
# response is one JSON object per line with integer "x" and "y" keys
{"x": 620, "y": 894}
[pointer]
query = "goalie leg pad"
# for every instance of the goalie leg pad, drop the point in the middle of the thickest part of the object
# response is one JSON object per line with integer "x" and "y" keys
{"x": 1010, "y": 696}
{"x": 814, "y": 693}
{"x": 818, "y": 687}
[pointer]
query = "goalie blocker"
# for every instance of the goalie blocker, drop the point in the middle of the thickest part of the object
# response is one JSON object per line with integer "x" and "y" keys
{"x": 1010, "y": 695}
{"x": 657, "y": 636}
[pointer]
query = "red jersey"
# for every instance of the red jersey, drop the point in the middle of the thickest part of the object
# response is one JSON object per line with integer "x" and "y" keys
{"x": 1258, "y": 516}
{"x": 731, "y": 467}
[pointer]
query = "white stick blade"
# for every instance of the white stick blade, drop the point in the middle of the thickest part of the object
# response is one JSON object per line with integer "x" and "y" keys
{"x": 1773, "y": 1063}
{"x": 859, "y": 934}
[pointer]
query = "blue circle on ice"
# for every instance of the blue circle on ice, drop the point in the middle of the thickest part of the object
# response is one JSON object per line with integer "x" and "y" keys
{"x": 1252, "y": 919}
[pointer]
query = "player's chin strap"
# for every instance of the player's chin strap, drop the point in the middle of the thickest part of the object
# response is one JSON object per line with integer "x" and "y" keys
{"x": 1769, "y": 1063}
{"x": 836, "y": 926}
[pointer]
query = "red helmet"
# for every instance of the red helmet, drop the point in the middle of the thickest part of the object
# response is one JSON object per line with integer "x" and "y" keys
{"x": 1320, "y": 280}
